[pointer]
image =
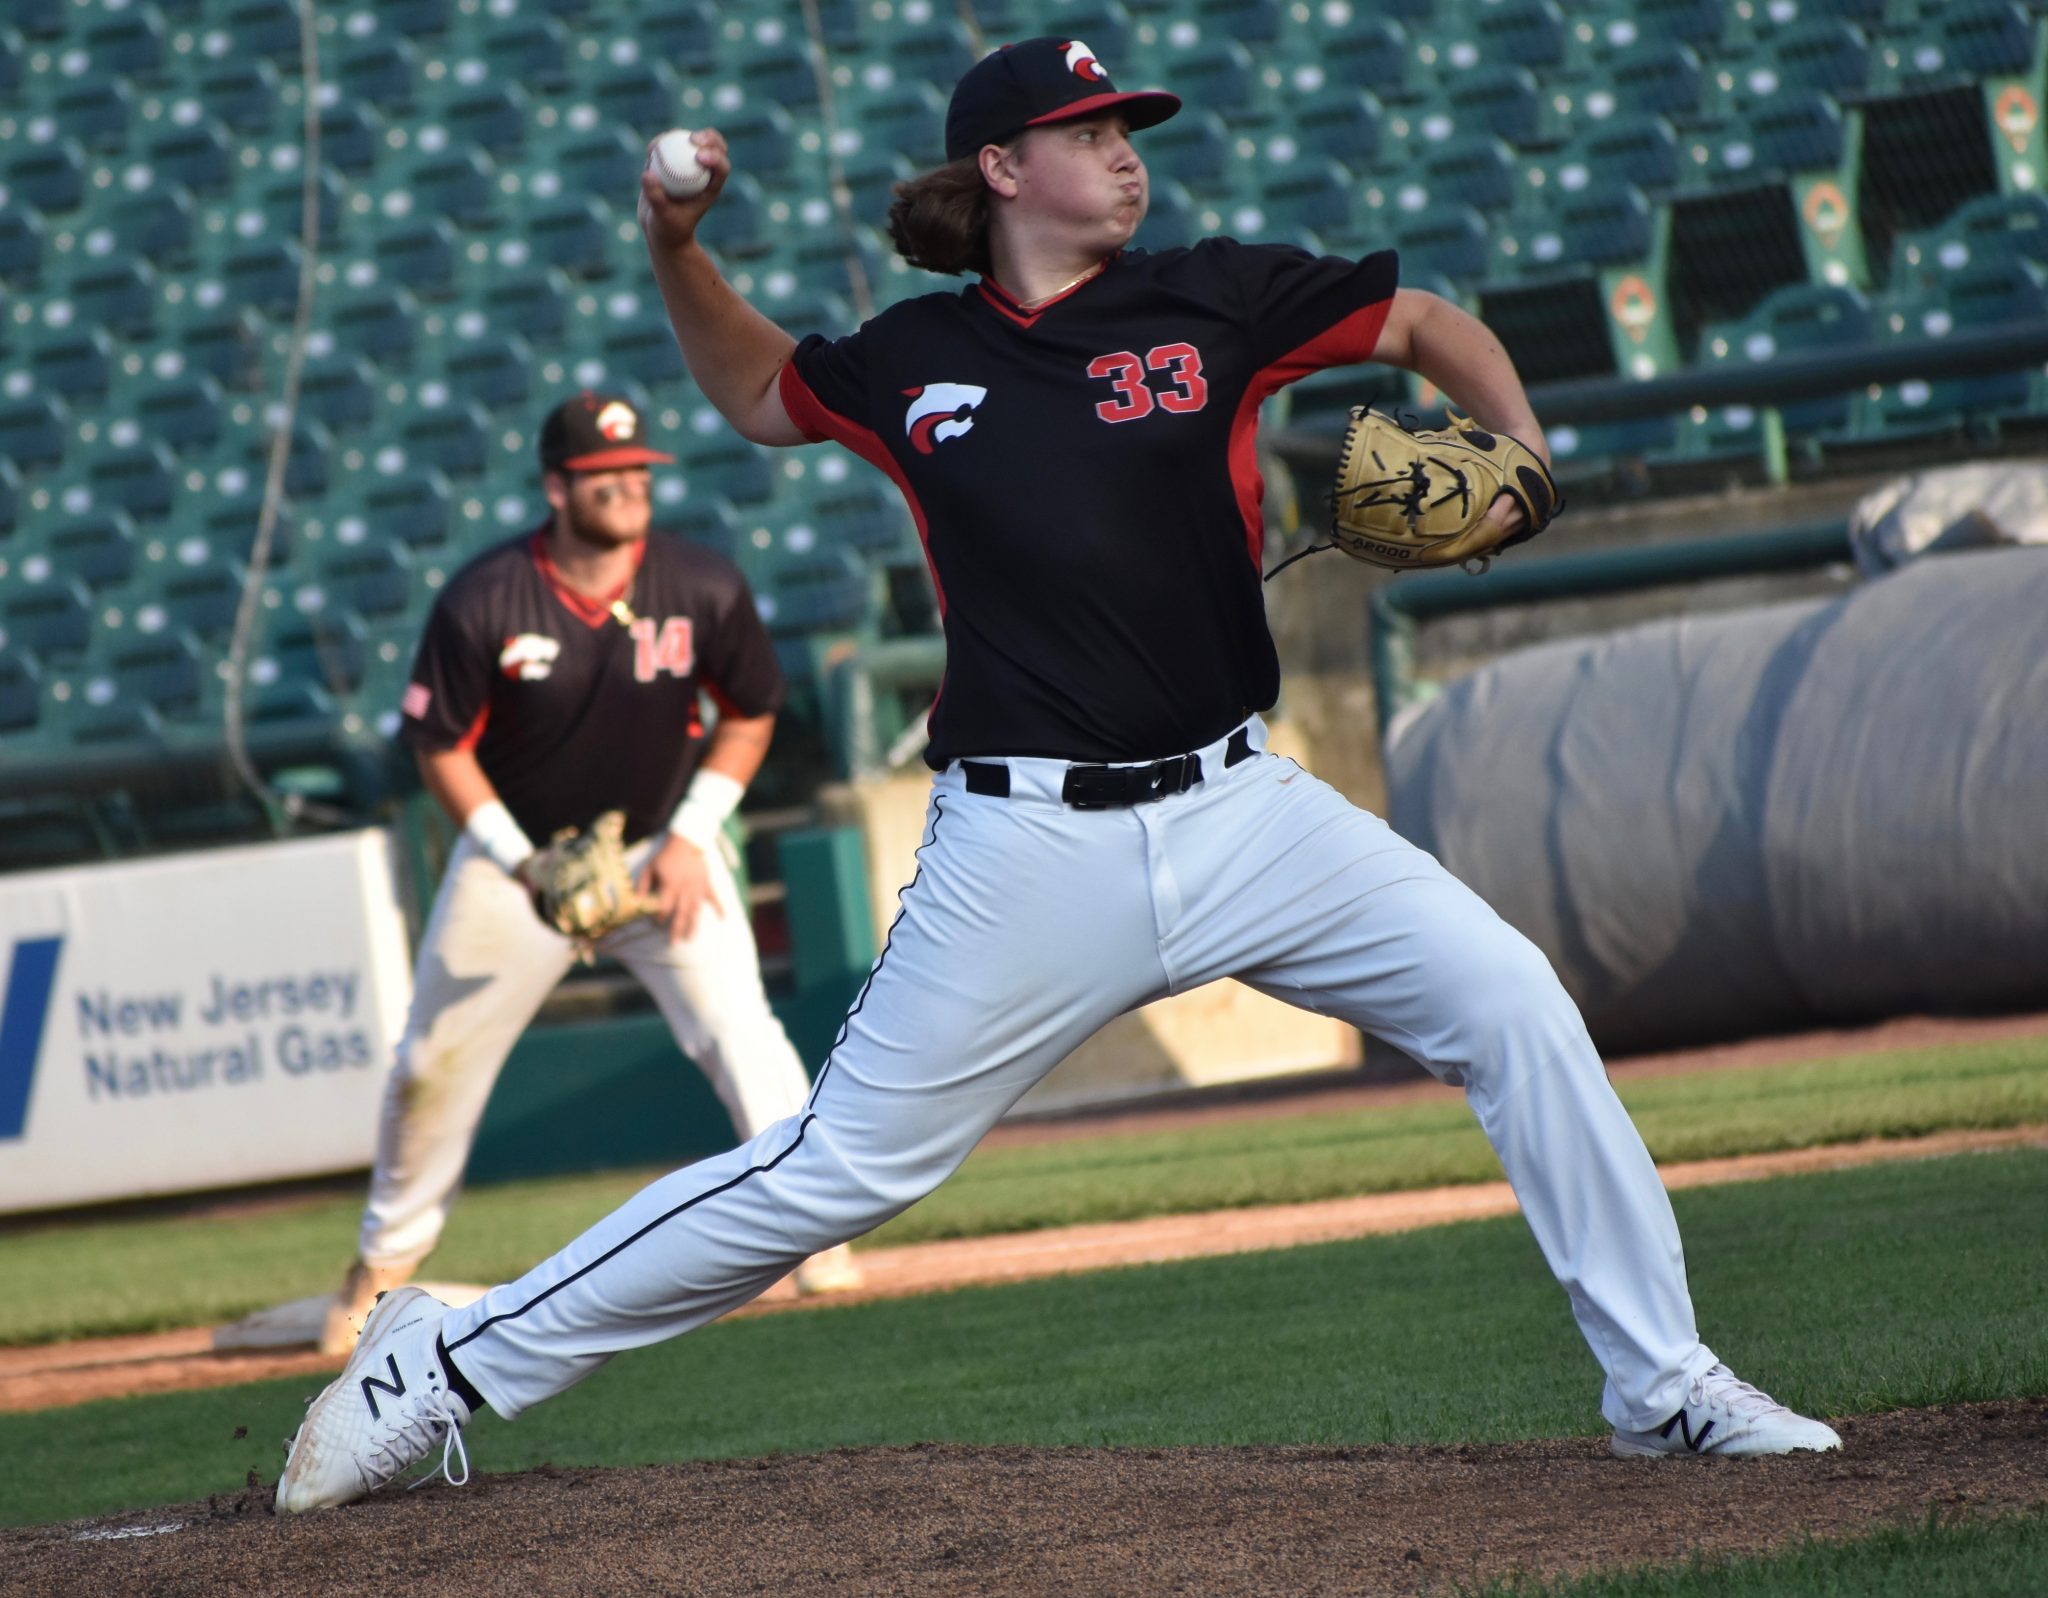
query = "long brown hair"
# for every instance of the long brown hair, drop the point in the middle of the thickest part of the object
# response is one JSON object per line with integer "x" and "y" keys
{"x": 939, "y": 219}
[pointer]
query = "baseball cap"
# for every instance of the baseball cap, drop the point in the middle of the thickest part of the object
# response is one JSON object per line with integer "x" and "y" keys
{"x": 1035, "y": 82}
{"x": 596, "y": 433}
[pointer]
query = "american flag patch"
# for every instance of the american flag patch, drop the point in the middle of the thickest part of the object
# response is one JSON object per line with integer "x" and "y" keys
{"x": 417, "y": 697}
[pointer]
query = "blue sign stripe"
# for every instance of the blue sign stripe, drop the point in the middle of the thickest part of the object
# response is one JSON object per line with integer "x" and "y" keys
{"x": 29, "y": 982}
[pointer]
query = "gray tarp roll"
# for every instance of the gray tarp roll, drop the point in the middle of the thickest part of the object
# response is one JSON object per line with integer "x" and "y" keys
{"x": 1731, "y": 824}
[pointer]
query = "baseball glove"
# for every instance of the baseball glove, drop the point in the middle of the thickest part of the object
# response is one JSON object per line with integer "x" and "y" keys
{"x": 1408, "y": 498}
{"x": 582, "y": 886}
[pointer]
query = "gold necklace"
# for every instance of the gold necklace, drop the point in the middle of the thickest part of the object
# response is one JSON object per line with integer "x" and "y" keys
{"x": 1032, "y": 305}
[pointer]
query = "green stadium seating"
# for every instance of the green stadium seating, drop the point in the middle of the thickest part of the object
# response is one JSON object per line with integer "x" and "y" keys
{"x": 154, "y": 225}
{"x": 382, "y": 323}
{"x": 1220, "y": 76}
{"x": 1194, "y": 149}
{"x": 1315, "y": 194}
{"x": 1343, "y": 123}
{"x": 140, "y": 479}
{"x": 34, "y": 430}
{"x": 1104, "y": 24}
{"x": 723, "y": 463}
{"x": 328, "y": 648}
{"x": 372, "y": 580}
{"x": 459, "y": 186}
{"x": 778, "y": 75}
{"x": 1798, "y": 319}
{"x": 573, "y": 235}
{"x": 21, "y": 691}
{"x": 52, "y": 619}
{"x": 1823, "y": 55}
{"x": 197, "y": 156}
{"x": 1372, "y": 54}
{"x": 51, "y": 177}
{"x": 120, "y": 296}
{"x": 680, "y": 30}
{"x": 493, "y": 370}
{"x": 1992, "y": 227}
{"x": 264, "y": 29}
{"x": 645, "y": 96}
{"x": 161, "y": 670}
{"x": 10, "y": 496}
{"x": 12, "y": 48}
{"x": 241, "y": 95}
{"x": 530, "y": 50}
{"x": 1450, "y": 239}
{"x": 532, "y": 302}
{"x": 203, "y": 599}
{"x": 1983, "y": 295}
{"x": 452, "y": 438}
{"x": 130, "y": 42}
{"x": 95, "y": 112}
{"x": 97, "y": 548}
{"x": 225, "y": 342}
{"x": 414, "y": 19}
{"x": 75, "y": 362}
{"x": 21, "y": 247}
{"x": 493, "y": 118}
{"x": 379, "y": 72}
{"x": 183, "y": 412}
{"x": 1478, "y": 171}
{"x": 1659, "y": 80}
{"x": 415, "y": 508}
{"x": 351, "y": 137}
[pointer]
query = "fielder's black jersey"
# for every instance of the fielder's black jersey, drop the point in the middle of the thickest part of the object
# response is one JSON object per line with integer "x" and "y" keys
{"x": 1085, "y": 480}
{"x": 572, "y": 708}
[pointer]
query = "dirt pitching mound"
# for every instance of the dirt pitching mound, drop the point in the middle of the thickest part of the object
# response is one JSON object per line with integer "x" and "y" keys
{"x": 948, "y": 1520}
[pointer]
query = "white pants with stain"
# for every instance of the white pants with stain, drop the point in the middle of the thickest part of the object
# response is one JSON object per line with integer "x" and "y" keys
{"x": 486, "y": 962}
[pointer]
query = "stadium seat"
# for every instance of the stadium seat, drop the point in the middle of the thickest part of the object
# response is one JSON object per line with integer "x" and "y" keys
{"x": 1822, "y": 55}
{"x": 1793, "y": 133}
{"x": 531, "y": 301}
{"x": 10, "y": 496}
{"x": 128, "y": 42}
{"x": 379, "y": 72}
{"x": 97, "y": 548}
{"x": 161, "y": 670}
{"x": 1700, "y": 24}
{"x": 1992, "y": 227}
{"x": 458, "y": 185}
{"x": 95, "y": 112}
{"x": 1193, "y": 149}
{"x": 761, "y": 140}
{"x": 340, "y": 392}
{"x": 226, "y": 343}
{"x": 328, "y": 648}
{"x": 420, "y": 254}
{"x": 21, "y": 247}
{"x": 778, "y": 75}
{"x": 452, "y": 438}
{"x": 909, "y": 118}
{"x": 1984, "y": 295}
{"x": 119, "y": 296}
{"x": 242, "y": 95}
{"x": 50, "y": 177}
{"x": 74, "y": 362}
{"x": 739, "y": 225}
{"x": 573, "y": 235}
{"x": 351, "y": 137}
{"x": 1219, "y": 76}
{"x": 34, "y": 430}
{"x": 1451, "y": 239}
{"x": 707, "y": 519}
{"x": 827, "y": 590}
{"x": 935, "y": 52}
{"x": 1529, "y": 33}
{"x": 415, "y": 508}
{"x": 371, "y": 579}
{"x": 1314, "y": 194}
{"x": 183, "y": 412}
{"x": 1503, "y": 101}
{"x": 1343, "y": 123}
{"x": 1973, "y": 38}
{"x": 1795, "y": 320}
{"x": 1104, "y": 24}
{"x": 263, "y": 276}
{"x": 494, "y": 370}
{"x": 529, "y": 50}
{"x": 52, "y": 619}
{"x": 196, "y": 156}
{"x": 154, "y": 225}
{"x": 381, "y": 323}
{"x": 1658, "y": 79}
{"x": 21, "y": 690}
{"x": 680, "y": 30}
{"x": 414, "y": 19}
{"x": 116, "y": 721}
{"x": 645, "y": 96}
{"x": 141, "y": 479}
{"x": 1478, "y": 171}
{"x": 638, "y": 343}
{"x": 203, "y": 599}
{"x": 1642, "y": 150}
{"x": 1372, "y": 53}
{"x": 865, "y": 514}
{"x": 12, "y": 48}
{"x": 494, "y": 118}
{"x": 264, "y": 29}
{"x": 724, "y": 463}
{"x": 229, "y": 516}
{"x": 1173, "y": 220}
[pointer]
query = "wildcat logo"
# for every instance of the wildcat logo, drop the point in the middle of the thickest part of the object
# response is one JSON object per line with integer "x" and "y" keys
{"x": 939, "y": 411}
{"x": 617, "y": 422}
{"x": 1082, "y": 63}
{"x": 528, "y": 657}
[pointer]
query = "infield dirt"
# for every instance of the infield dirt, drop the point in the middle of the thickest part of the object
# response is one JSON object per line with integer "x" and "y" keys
{"x": 950, "y": 1520}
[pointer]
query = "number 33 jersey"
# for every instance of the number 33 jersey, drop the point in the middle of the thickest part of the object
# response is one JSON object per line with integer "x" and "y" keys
{"x": 1085, "y": 479}
{"x": 574, "y": 707}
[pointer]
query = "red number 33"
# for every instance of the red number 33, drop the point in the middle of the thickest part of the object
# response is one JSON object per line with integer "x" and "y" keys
{"x": 1133, "y": 399}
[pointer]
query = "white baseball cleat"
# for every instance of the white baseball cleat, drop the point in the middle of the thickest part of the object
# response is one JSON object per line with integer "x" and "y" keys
{"x": 834, "y": 1271}
{"x": 1725, "y": 1415}
{"x": 387, "y": 1410}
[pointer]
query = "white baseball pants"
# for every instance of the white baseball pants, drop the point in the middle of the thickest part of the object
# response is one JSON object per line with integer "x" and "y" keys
{"x": 486, "y": 962}
{"x": 1029, "y": 925}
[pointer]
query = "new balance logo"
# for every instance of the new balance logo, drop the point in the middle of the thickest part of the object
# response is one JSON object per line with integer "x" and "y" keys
{"x": 395, "y": 1387}
{"x": 1683, "y": 1422}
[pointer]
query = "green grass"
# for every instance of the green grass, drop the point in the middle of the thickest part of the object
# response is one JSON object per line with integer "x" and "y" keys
{"x": 2002, "y": 1558}
{"x": 1852, "y": 1292}
{"x": 129, "y": 1274}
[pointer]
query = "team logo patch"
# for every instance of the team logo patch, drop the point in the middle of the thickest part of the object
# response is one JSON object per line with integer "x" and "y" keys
{"x": 939, "y": 411}
{"x": 1082, "y": 63}
{"x": 528, "y": 657}
{"x": 617, "y": 422}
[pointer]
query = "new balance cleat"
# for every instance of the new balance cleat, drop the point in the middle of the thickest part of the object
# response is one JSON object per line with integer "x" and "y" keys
{"x": 1725, "y": 1415}
{"x": 390, "y": 1408}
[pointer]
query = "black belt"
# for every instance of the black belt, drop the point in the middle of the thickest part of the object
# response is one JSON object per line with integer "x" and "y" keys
{"x": 1111, "y": 787}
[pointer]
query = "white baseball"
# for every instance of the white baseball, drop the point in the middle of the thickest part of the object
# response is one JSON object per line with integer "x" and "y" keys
{"x": 674, "y": 163}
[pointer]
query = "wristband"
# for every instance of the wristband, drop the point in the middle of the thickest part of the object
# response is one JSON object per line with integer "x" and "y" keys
{"x": 711, "y": 798}
{"x": 491, "y": 828}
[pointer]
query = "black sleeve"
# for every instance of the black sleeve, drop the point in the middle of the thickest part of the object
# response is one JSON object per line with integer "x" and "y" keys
{"x": 1308, "y": 311}
{"x": 444, "y": 703}
{"x": 737, "y": 664}
{"x": 825, "y": 387}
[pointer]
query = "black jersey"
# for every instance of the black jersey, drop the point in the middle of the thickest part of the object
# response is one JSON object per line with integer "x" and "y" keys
{"x": 574, "y": 708}
{"x": 1085, "y": 480}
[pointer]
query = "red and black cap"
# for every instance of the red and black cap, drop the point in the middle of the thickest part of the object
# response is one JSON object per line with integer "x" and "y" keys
{"x": 596, "y": 433}
{"x": 1038, "y": 81}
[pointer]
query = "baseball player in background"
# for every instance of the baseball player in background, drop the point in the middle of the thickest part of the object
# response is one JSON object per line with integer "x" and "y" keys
{"x": 1074, "y": 434}
{"x": 559, "y": 676}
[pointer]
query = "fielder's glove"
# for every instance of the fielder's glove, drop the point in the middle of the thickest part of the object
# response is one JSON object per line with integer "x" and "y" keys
{"x": 1407, "y": 498}
{"x": 581, "y": 885}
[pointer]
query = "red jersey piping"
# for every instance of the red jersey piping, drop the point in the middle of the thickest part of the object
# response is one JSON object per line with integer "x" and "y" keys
{"x": 591, "y": 612}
